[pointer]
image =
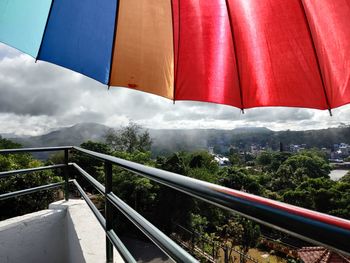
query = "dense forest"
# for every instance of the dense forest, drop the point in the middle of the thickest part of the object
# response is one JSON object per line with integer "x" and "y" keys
{"x": 301, "y": 179}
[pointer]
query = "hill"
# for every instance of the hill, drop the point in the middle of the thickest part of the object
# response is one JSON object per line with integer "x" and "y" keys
{"x": 74, "y": 135}
{"x": 170, "y": 140}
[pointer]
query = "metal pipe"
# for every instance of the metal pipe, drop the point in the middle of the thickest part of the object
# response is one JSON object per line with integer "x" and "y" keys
{"x": 30, "y": 190}
{"x": 31, "y": 170}
{"x": 315, "y": 227}
{"x": 99, "y": 187}
{"x": 124, "y": 252}
{"x": 108, "y": 210}
{"x": 66, "y": 175}
{"x": 110, "y": 234}
{"x": 39, "y": 149}
{"x": 159, "y": 238}
{"x": 97, "y": 213}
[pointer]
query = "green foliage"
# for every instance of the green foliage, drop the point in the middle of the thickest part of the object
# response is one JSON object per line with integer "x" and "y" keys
{"x": 198, "y": 223}
{"x": 271, "y": 161}
{"x": 306, "y": 164}
{"x": 175, "y": 163}
{"x": 139, "y": 192}
{"x": 347, "y": 159}
{"x": 239, "y": 179}
{"x": 239, "y": 231}
{"x": 321, "y": 194}
{"x": 300, "y": 179}
{"x": 28, "y": 203}
{"x": 8, "y": 144}
{"x": 202, "y": 160}
{"x": 129, "y": 139}
{"x": 289, "y": 171}
{"x": 346, "y": 178}
{"x": 250, "y": 235}
{"x": 91, "y": 165}
{"x": 264, "y": 158}
{"x": 235, "y": 159}
{"x": 202, "y": 166}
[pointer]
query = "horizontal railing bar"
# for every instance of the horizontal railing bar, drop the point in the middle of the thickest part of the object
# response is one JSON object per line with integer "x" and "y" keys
{"x": 38, "y": 149}
{"x": 30, "y": 170}
{"x": 118, "y": 244}
{"x": 99, "y": 187}
{"x": 97, "y": 213}
{"x": 159, "y": 238}
{"x": 305, "y": 224}
{"x": 111, "y": 235}
{"x": 30, "y": 190}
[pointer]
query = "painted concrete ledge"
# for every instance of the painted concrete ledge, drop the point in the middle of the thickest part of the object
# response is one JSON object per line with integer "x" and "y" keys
{"x": 66, "y": 232}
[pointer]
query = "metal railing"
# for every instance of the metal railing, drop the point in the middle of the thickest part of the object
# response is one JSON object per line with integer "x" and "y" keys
{"x": 318, "y": 228}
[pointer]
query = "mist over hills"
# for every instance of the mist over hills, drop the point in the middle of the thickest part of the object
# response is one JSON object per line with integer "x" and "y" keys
{"x": 171, "y": 140}
{"x": 74, "y": 135}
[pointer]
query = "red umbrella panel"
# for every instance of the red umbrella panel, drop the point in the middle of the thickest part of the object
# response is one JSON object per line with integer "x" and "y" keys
{"x": 244, "y": 53}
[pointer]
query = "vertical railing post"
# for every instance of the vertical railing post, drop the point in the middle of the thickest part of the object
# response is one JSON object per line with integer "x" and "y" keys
{"x": 66, "y": 176}
{"x": 108, "y": 210}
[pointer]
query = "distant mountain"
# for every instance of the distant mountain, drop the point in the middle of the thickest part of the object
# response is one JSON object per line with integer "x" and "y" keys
{"x": 74, "y": 135}
{"x": 251, "y": 130}
{"x": 167, "y": 141}
{"x": 8, "y": 135}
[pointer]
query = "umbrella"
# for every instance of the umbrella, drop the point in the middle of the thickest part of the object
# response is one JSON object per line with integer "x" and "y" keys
{"x": 244, "y": 53}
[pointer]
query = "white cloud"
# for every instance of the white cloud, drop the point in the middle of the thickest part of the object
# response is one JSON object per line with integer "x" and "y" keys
{"x": 38, "y": 97}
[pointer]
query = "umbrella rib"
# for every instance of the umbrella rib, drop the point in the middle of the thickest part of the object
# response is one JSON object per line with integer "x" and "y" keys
{"x": 176, "y": 67}
{"x": 113, "y": 42}
{"x": 42, "y": 38}
{"x": 235, "y": 52}
{"x": 317, "y": 59}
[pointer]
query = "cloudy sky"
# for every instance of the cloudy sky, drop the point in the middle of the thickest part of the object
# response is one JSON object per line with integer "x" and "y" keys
{"x": 39, "y": 97}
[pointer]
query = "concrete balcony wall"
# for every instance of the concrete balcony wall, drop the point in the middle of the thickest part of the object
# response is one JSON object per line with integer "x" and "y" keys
{"x": 66, "y": 232}
{"x": 38, "y": 237}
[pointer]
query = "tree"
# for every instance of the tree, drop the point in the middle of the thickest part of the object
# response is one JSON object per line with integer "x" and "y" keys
{"x": 175, "y": 163}
{"x": 307, "y": 164}
{"x": 8, "y": 144}
{"x": 346, "y": 178}
{"x": 271, "y": 161}
{"x": 321, "y": 194}
{"x": 235, "y": 158}
{"x": 251, "y": 234}
{"x": 239, "y": 231}
{"x": 203, "y": 159}
{"x": 139, "y": 192}
{"x": 28, "y": 203}
{"x": 91, "y": 165}
{"x": 239, "y": 179}
{"x": 129, "y": 139}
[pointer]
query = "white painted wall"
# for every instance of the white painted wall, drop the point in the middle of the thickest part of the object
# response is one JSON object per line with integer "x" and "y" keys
{"x": 66, "y": 232}
{"x": 38, "y": 237}
{"x": 86, "y": 237}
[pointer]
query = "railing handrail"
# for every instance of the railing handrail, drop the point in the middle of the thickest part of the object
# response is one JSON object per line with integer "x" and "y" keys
{"x": 36, "y": 149}
{"x": 168, "y": 246}
{"x": 315, "y": 227}
{"x": 161, "y": 240}
{"x": 30, "y": 190}
{"x": 308, "y": 225}
{"x": 31, "y": 170}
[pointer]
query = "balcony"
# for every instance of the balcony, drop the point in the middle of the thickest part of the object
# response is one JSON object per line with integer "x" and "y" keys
{"x": 313, "y": 227}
